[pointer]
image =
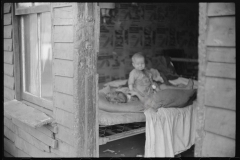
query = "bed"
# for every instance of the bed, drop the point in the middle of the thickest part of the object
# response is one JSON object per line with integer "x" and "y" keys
{"x": 122, "y": 120}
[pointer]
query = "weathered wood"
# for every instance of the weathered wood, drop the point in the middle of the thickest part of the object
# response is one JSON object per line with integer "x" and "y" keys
{"x": 65, "y": 134}
{"x": 7, "y": 7}
{"x": 220, "y": 146}
{"x": 220, "y": 93}
{"x": 63, "y": 34}
{"x": 64, "y": 102}
{"x": 64, "y": 118}
{"x": 221, "y": 31}
{"x": 9, "y": 82}
{"x": 8, "y": 57}
{"x": 37, "y": 134}
{"x": 226, "y": 55}
{"x": 8, "y": 46}
{"x": 63, "y": 68}
{"x": 221, "y": 9}
{"x": 8, "y": 31}
{"x": 63, "y": 51}
{"x": 40, "y": 108}
{"x": 32, "y": 150}
{"x": 201, "y": 79}
{"x": 64, "y": 150}
{"x": 8, "y": 69}
{"x": 221, "y": 121}
{"x": 33, "y": 9}
{"x": 9, "y": 93}
{"x": 224, "y": 70}
{"x": 64, "y": 85}
{"x": 66, "y": 4}
{"x": 53, "y": 128}
{"x": 7, "y": 19}
{"x": 63, "y": 16}
{"x": 32, "y": 140}
{"x": 17, "y": 64}
{"x": 6, "y": 154}
{"x": 10, "y": 125}
{"x": 13, "y": 150}
{"x": 26, "y": 114}
{"x": 9, "y": 134}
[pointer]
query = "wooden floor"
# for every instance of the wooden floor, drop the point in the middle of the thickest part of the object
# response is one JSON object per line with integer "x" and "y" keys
{"x": 131, "y": 147}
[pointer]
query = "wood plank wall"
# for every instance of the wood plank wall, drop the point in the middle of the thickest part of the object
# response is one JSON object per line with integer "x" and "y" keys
{"x": 9, "y": 82}
{"x": 63, "y": 33}
{"x": 220, "y": 82}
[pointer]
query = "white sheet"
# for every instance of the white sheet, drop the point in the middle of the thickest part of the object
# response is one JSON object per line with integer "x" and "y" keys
{"x": 182, "y": 80}
{"x": 169, "y": 131}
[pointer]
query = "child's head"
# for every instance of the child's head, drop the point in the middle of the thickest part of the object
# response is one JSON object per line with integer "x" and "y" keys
{"x": 138, "y": 61}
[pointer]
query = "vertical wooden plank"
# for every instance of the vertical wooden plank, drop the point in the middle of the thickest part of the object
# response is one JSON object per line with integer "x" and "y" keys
{"x": 16, "y": 52}
{"x": 201, "y": 78}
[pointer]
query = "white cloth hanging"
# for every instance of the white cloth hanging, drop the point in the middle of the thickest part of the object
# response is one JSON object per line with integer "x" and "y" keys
{"x": 169, "y": 131}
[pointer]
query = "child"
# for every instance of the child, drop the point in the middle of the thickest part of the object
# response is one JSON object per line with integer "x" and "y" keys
{"x": 141, "y": 83}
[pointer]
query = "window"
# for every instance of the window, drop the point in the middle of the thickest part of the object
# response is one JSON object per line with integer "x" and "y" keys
{"x": 36, "y": 53}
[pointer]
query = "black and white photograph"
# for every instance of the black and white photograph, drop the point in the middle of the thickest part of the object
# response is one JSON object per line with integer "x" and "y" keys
{"x": 119, "y": 80}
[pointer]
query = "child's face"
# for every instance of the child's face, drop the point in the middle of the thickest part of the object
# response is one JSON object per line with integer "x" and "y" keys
{"x": 139, "y": 64}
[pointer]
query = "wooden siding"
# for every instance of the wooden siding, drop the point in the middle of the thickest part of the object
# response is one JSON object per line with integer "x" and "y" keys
{"x": 218, "y": 146}
{"x": 219, "y": 93}
{"x": 8, "y": 57}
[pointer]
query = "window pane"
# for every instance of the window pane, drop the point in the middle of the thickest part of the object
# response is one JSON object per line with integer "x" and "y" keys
{"x": 38, "y": 4}
{"x": 30, "y": 50}
{"x": 46, "y": 56}
{"x": 24, "y": 5}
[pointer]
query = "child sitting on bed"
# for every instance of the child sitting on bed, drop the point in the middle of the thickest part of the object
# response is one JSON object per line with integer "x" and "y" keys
{"x": 141, "y": 82}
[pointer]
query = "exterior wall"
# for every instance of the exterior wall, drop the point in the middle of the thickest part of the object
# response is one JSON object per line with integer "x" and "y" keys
{"x": 9, "y": 81}
{"x": 217, "y": 87}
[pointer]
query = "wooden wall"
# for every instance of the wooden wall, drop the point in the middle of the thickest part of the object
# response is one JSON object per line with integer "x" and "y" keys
{"x": 9, "y": 81}
{"x": 217, "y": 87}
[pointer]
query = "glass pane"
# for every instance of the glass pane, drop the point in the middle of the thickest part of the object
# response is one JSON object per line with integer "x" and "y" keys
{"x": 24, "y": 5}
{"x": 30, "y": 50}
{"x": 46, "y": 56}
{"x": 39, "y": 4}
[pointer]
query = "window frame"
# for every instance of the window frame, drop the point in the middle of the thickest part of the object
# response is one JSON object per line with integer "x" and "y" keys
{"x": 25, "y": 96}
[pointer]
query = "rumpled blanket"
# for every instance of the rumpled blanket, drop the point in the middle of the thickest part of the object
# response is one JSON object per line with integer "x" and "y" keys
{"x": 169, "y": 131}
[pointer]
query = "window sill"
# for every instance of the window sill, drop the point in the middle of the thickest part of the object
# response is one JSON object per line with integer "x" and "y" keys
{"x": 26, "y": 114}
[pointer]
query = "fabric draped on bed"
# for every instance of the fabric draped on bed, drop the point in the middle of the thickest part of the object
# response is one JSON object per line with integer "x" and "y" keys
{"x": 169, "y": 131}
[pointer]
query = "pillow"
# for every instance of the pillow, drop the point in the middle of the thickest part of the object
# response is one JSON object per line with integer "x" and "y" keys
{"x": 168, "y": 98}
{"x": 116, "y": 83}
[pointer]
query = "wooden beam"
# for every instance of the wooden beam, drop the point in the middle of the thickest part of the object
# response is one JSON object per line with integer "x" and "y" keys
{"x": 16, "y": 51}
{"x": 8, "y": 31}
{"x": 201, "y": 78}
{"x": 221, "y": 9}
{"x": 8, "y": 57}
{"x": 221, "y": 121}
{"x": 223, "y": 70}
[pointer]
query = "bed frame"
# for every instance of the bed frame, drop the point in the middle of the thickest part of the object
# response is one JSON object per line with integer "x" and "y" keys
{"x": 119, "y": 131}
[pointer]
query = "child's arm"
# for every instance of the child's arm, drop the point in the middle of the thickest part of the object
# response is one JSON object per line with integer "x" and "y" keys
{"x": 131, "y": 80}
